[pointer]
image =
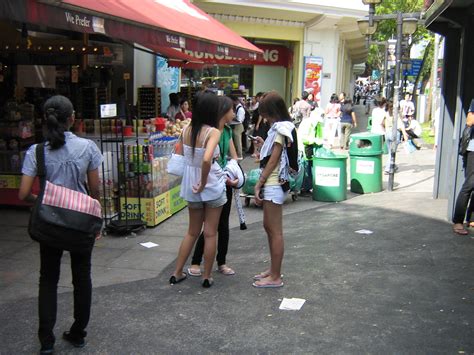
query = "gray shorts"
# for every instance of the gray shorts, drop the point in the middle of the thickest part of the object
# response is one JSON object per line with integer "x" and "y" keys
{"x": 219, "y": 202}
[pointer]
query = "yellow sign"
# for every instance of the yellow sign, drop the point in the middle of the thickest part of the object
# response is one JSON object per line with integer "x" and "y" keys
{"x": 162, "y": 208}
{"x": 9, "y": 182}
{"x": 176, "y": 202}
{"x": 153, "y": 210}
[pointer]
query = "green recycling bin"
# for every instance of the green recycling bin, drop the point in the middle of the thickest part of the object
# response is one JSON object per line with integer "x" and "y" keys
{"x": 329, "y": 177}
{"x": 365, "y": 151}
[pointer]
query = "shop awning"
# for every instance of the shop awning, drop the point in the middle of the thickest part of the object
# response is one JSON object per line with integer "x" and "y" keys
{"x": 177, "y": 58}
{"x": 165, "y": 23}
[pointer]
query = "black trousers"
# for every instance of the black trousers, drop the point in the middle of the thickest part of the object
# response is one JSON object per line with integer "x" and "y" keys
{"x": 222, "y": 235}
{"x": 48, "y": 287}
{"x": 465, "y": 192}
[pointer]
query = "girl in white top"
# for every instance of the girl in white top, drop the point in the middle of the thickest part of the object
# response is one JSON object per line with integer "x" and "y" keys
{"x": 378, "y": 117}
{"x": 203, "y": 185}
{"x": 269, "y": 190}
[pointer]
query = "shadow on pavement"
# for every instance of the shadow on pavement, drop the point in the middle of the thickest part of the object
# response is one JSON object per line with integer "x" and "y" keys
{"x": 406, "y": 288}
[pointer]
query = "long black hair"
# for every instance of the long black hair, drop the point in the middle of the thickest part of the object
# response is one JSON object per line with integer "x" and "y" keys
{"x": 205, "y": 109}
{"x": 272, "y": 105}
{"x": 225, "y": 104}
{"x": 57, "y": 111}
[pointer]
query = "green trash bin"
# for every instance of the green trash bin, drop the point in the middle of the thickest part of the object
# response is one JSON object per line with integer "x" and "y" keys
{"x": 365, "y": 151}
{"x": 329, "y": 176}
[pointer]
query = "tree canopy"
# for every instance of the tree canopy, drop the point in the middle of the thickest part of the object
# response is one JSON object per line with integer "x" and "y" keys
{"x": 387, "y": 29}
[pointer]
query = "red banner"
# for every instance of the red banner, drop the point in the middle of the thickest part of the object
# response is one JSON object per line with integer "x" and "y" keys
{"x": 274, "y": 55}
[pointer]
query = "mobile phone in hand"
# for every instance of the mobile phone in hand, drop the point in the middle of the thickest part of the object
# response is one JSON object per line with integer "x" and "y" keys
{"x": 252, "y": 137}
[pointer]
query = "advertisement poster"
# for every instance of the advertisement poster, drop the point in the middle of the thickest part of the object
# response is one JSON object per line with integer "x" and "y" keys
{"x": 168, "y": 80}
{"x": 313, "y": 68}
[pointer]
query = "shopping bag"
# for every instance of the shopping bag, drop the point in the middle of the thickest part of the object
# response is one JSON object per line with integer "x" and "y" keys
{"x": 177, "y": 162}
{"x": 176, "y": 165}
{"x": 63, "y": 218}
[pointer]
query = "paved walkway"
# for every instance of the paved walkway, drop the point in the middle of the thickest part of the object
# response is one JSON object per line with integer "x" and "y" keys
{"x": 406, "y": 288}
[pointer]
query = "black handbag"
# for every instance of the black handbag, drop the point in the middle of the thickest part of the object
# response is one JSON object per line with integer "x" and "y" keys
{"x": 63, "y": 218}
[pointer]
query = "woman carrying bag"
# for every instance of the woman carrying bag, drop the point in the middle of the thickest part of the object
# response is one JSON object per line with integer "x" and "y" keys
{"x": 203, "y": 185}
{"x": 69, "y": 162}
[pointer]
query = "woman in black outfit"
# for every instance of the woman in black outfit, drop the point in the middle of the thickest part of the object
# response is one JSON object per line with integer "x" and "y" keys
{"x": 70, "y": 161}
{"x": 225, "y": 115}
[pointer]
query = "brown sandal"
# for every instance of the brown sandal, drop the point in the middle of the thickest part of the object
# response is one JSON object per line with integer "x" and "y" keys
{"x": 460, "y": 230}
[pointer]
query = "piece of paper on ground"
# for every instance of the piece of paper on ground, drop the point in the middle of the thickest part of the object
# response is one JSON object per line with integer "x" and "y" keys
{"x": 149, "y": 245}
{"x": 364, "y": 231}
{"x": 292, "y": 304}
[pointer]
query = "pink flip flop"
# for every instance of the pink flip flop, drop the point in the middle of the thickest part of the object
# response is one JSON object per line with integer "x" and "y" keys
{"x": 267, "y": 284}
{"x": 225, "y": 270}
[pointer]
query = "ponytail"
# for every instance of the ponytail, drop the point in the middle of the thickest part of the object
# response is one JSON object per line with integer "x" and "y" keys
{"x": 57, "y": 110}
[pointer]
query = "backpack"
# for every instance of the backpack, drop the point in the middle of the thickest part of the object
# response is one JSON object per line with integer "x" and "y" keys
{"x": 292, "y": 152}
{"x": 247, "y": 119}
{"x": 464, "y": 141}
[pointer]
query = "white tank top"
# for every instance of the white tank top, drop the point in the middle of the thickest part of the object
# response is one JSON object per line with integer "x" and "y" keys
{"x": 215, "y": 186}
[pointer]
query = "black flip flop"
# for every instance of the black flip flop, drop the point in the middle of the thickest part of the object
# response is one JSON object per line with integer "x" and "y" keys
{"x": 174, "y": 280}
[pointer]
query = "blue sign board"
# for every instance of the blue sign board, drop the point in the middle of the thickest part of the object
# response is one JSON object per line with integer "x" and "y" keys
{"x": 415, "y": 67}
{"x": 167, "y": 78}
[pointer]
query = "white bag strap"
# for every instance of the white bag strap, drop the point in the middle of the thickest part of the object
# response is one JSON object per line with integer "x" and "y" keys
{"x": 206, "y": 136}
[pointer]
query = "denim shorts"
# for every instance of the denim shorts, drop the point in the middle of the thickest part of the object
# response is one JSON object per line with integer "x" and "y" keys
{"x": 219, "y": 202}
{"x": 275, "y": 194}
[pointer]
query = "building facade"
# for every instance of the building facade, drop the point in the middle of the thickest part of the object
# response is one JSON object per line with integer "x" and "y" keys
{"x": 327, "y": 32}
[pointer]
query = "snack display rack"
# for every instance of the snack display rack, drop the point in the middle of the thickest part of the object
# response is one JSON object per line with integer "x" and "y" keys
{"x": 17, "y": 132}
{"x": 135, "y": 184}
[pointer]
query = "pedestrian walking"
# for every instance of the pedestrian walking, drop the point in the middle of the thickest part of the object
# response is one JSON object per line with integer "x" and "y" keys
{"x": 272, "y": 187}
{"x": 378, "y": 117}
{"x": 203, "y": 185}
{"x": 468, "y": 185}
{"x": 331, "y": 121}
{"x": 226, "y": 148}
{"x": 348, "y": 121}
{"x": 70, "y": 161}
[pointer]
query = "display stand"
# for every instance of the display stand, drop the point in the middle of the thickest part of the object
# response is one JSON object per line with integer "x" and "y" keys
{"x": 17, "y": 134}
{"x": 118, "y": 175}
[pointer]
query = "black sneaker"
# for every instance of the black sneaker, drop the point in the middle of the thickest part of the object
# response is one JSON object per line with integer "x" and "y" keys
{"x": 305, "y": 193}
{"x": 76, "y": 340}
{"x": 47, "y": 350}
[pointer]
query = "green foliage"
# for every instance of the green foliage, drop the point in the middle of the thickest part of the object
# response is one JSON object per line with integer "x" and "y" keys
{"x": 387, "y": 29}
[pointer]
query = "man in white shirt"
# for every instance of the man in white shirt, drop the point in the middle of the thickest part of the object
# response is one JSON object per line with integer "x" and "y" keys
{"x": 237, "y": 125}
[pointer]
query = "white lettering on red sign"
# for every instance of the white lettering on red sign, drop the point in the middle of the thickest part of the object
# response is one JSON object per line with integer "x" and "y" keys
{"x": 78, "y": 20}
{"x": 270, "y": 55}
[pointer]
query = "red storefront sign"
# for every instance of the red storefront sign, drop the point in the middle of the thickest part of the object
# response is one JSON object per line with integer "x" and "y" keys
{"x": 274, "y": 55}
